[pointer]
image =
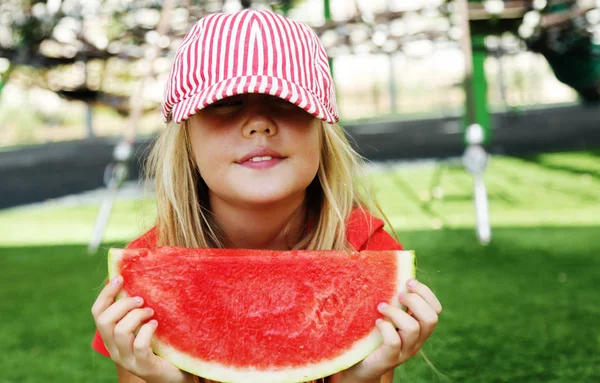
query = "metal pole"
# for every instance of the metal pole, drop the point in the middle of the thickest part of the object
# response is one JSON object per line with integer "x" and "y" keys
{"x": 476, "y": 105}
{"x": 462, "y": 9}
{"x": 327, "y": 14}
{"x": 393, "y": 87}
{"x": 479, "y": 87}
{"x": 501, "y": 76}
{"x": 89, "y": 116}
{"x": 476, "y": 132}
{"x": 89, "y": 120}
{"x": 286, "y": 8}
{"x": 118, "y": 169}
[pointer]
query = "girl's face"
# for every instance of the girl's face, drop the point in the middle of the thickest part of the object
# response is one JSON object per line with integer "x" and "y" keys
{"x": 255, "y": 149}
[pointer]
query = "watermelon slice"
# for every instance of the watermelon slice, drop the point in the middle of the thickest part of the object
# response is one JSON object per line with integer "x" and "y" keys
{"x": 236, "y": 315}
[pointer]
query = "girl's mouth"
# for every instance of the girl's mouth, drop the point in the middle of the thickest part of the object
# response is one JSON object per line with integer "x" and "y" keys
{"x": 261, "y": 162}
{"x": 261, "y": 158}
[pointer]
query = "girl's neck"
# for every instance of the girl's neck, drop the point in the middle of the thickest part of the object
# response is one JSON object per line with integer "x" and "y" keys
{"x": 251, "y": 227}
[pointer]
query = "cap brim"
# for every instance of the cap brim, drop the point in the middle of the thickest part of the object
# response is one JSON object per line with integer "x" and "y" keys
{"x": 274, "y": 86}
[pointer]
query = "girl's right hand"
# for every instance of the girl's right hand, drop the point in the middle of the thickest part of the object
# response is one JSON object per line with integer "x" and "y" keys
{"x": 118, "y": 322}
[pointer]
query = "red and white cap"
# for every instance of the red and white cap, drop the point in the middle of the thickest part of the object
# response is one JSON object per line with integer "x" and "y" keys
{"x": 249, "y": 52}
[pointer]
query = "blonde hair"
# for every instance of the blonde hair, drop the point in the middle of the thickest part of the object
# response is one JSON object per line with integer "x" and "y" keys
{"x": 184, "y": 218}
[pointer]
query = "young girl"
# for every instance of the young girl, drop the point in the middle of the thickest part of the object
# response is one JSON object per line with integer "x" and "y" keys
{"x": 252, "y": 157}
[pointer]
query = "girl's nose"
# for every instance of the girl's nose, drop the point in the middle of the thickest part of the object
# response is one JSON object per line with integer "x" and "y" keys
{"x": 262, "y": 126}
{"x": 259, "y": 122}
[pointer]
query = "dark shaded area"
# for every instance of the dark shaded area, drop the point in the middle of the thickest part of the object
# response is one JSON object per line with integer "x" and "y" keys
{"x": 48, "y": 171}
{"x": 527, "y": 132}
{"x": 37, "y": 173}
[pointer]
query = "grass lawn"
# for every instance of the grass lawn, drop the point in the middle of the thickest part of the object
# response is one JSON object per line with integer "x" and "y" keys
{"x": 518, "y": 310}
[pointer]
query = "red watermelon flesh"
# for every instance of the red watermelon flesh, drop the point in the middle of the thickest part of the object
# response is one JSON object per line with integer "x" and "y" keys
{"x": 255, "y": 315}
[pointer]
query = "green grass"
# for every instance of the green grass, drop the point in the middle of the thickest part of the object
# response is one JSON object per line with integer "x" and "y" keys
{"x": 519, "y": 310}
{"x": 525, "y": 192}
{"x": 522, "y": 309}
{"x": 45, "y": 300}
{"x": 57, "y": 224}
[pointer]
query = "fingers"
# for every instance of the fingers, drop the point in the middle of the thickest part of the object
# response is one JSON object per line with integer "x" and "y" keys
{"x": 403, "y": 333}
{"x": 426, "y": 293}
{"x": 391, "y": 340}
{"x": 107, "y": 296}
{"x": 126, "y": 336}
{"x": 124, "y": 332}
{"x": 422, "y": 313}
{"x": 107, "y": 320}
{"x": 117, "y": 311}
{"x": 408, "y": 327}
{"x": 141, "y": 344}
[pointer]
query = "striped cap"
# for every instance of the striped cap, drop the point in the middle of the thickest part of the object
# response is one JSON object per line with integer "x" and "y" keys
{"x": 249, "y": 52}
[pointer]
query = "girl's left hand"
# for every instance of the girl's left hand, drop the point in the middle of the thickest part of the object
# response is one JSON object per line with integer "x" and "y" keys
{"x": 414, "y": 327}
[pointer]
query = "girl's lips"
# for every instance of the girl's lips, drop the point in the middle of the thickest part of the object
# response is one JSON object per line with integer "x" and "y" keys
{"x": 261, "y": 158}
{"x": 260, "y": 152}
{"x": 265, "y": 164}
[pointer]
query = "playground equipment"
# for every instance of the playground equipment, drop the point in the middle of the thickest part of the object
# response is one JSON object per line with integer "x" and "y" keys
{"x": 475, "y": 160}
{"x": 477, "y": 118}
{"x": 116, "y": 172}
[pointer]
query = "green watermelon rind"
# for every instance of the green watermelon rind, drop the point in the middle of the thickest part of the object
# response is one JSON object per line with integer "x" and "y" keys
{"x": 215, "y": 371}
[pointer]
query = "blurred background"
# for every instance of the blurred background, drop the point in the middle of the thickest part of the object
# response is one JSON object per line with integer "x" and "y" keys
{"x": 479, "y": 119}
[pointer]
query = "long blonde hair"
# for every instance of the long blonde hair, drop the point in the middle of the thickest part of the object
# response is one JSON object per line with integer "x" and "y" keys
{"x": 184, "y": 218}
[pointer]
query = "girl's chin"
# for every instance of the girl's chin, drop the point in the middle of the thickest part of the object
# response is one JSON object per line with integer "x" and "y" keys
{"x": 246, "y": 192}
{"x": 264, "y": 199}
{"x": 261, "y": 196}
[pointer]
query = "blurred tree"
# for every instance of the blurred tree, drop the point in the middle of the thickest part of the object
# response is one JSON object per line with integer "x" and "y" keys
{"x": 560, "y": 30}
{"x": 565, "y": 38}
{"x": 62, "y": 39}
{"x": 93, "y": 50}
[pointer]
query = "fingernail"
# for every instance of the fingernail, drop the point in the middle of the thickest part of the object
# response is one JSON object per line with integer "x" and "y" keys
{"x": 116, "y": 280}
{"x": 378, "y": 321}
{"x": 149, "y": 310}
{"x": 153, "y": 322}
{"x": 138, "y": 300}
{"x": 382, "y": 306}
{"x": 412, "y": 283}
{"x": 400, "y": 296}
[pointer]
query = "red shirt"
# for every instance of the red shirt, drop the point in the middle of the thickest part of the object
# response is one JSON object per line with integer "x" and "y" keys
{"x": 363, "y": 232}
